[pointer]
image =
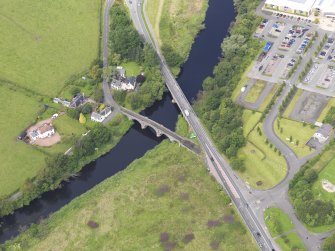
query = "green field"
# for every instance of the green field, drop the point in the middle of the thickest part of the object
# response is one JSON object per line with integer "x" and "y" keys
{"x": 175, "y": 24}
{"x": 292, "y": 104}
{"x": 18, "y": 161}
{"x": 263, "y": 164}
{"x": 250, "y": 119}
{"x": 291, "y": 241}
{"x": 300, "y": 134}
{"x": 132, "y": 68}
{"x": 155, "y": 203}
{"x": 255, "y": 91}
{"x": 325, "y": 111}
{"x": 269, "y": 98}
{"x": 281, "y": 228}
{"x": 44, "y": 42}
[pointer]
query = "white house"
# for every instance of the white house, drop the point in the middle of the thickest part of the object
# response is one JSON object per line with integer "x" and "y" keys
{"x": 101, "y": 116}
{"x": 44, "y": 131}
{"x": 323, "y": 133}
{"x": 296, "y": 7}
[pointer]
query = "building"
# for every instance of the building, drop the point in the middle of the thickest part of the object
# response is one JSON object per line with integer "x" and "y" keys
{"x": 121, "y": 82}
{"x": 323, "y": 133}
{"x": 44, "y": 131}
{"x": 296, "y": 7}
{"x": 305, "y": 8}
{"x": 77, "y": 101}
{"x": 101, "y": 116}
{"x": 325, "y": 8}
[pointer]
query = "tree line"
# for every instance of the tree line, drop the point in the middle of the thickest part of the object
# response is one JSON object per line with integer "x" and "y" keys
{"x": 219, "y": 113}
{"x": 310, "y": 210}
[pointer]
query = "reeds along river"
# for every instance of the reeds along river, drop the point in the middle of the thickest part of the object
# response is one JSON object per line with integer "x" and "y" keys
{"x": 204, "y": 55}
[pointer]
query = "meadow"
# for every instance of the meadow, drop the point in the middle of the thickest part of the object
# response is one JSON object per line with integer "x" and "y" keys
{"x": 18, "y": 161}
{"x": 45, "y": 42}
{"x": 165, "y": 199}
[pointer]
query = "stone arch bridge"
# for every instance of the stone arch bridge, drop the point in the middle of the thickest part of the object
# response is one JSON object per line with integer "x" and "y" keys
{"x": 160, "y": 129}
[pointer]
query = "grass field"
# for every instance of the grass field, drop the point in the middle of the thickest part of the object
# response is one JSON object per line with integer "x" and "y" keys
{"x": 132, "y": 68}
{"x": 164, "y": 199}
{"x": 263, "y": 164}
{"x": 292, "y": 104}
{"x": 255, "y": 91}
{"x": 299, "y": 133}
{"x": 176, "y": 23}
{"x": 323, "y": 114}
{"x": 18, "y": 161}
{"x": 44, "y": 42}
{"x": 250, "y": 119}
{"x": 268, "y": 98}
{"x": 281, "y": 227}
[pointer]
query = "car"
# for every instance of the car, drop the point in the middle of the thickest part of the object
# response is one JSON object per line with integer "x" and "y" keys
{"x": 277, "y": 15}
{"x": 298, "y": 18}
{"x": 284, "y": 16}
{"x": 281, "y": 15}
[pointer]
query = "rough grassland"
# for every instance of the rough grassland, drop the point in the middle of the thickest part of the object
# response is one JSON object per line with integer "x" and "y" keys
{"x": 177, "y": 22}
{"x": 166, "y": 191}
{"x": 292, "y": 104}
{"x": 250, "y": 119}
{"x": 18, "y": 161}
{"x": 44, "y": 42}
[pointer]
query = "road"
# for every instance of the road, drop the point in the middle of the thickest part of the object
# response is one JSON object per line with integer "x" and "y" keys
{"x": 108, "y": 98}
{"x": 216, "y": 164}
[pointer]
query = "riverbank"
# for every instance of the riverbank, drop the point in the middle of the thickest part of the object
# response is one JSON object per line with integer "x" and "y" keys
{"x": 176, "y": 23}
{"x": 164, "y": 199}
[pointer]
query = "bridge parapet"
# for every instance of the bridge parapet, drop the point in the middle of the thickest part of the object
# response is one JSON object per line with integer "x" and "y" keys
{"x": 160, "y": 129}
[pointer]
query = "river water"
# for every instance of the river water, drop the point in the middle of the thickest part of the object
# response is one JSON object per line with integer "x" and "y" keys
{"x": 204, "y": 55}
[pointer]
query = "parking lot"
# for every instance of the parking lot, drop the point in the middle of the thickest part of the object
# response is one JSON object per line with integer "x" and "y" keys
{"x": 285, "y": 43}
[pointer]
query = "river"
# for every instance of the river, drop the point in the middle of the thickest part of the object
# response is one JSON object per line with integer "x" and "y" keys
{"x": 204, "y": 55}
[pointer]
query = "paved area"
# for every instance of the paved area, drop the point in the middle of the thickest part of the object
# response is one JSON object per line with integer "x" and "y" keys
{"x": 254, "y": 106}
{"x": 309, "y": 107}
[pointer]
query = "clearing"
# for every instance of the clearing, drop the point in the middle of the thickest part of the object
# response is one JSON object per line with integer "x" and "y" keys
{"x": 281, "y": 228}
{"x": 165, "y": 199}
{"x": 43, "y": 43}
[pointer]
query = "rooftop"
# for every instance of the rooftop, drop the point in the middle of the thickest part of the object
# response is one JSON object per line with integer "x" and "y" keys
{"x": 303, "y": 5}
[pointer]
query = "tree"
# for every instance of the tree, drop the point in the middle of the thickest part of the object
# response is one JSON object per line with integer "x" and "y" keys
{"x": 99, "y": 95}
{"x": 86, "y": 109}
{"x": 82, "y": 119}
{"x": 95, "y": 72}
{"x": 238, "y": 164}
{"x": 329, "y": 243}
{"x": 74, "y": 91}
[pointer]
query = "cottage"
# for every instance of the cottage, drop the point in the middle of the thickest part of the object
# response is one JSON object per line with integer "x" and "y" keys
{"x": 77, "y": 101}
{"x": 44, "y": 131}
{"x": 323, "y": 133}
{"x": 101, "y": 116}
